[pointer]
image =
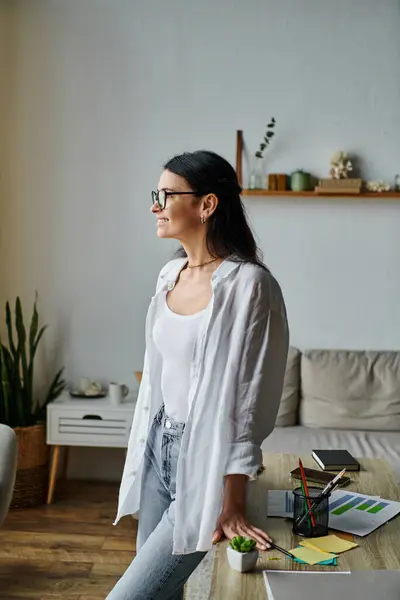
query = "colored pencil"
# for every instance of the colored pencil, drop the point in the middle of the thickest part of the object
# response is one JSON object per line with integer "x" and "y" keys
{"x": 307, "y": 493}
{"x": 307, "y": 511}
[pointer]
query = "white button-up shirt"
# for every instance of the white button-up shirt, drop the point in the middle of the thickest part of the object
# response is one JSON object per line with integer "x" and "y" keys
{"x": 236, "y": 381}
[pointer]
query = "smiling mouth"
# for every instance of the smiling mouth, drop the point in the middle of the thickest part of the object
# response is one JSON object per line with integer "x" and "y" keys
{"x": 161, "y": 221}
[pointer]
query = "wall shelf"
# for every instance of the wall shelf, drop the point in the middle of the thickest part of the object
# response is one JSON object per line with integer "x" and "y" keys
{"x": 311, "y": 194}
{"x": 290, "y": 193}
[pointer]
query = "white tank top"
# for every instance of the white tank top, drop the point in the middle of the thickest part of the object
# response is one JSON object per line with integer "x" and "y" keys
{"x": 175, "y": 338}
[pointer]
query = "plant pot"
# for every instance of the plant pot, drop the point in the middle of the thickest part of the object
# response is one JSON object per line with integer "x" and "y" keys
{"x": 242, "y": 561}
{"x": 32, "y": 468}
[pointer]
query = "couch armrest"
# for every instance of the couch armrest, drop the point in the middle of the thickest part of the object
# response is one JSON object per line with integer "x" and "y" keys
{"x": 8, "y": 468}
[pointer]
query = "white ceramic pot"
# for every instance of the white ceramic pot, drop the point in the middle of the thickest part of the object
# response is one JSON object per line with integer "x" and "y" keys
{"x": 242, "y": 561}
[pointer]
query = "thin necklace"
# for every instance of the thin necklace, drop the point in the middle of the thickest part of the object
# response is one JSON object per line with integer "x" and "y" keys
{"x": 202, "y": 264}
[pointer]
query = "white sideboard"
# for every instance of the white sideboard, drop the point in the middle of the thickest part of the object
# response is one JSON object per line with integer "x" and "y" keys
{"x": 86, "y": 422}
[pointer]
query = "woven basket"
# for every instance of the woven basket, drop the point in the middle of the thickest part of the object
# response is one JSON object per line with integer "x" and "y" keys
{"x": 32, "y": 468}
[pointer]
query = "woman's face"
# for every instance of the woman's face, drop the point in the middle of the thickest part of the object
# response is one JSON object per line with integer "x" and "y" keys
{"x": 181, "y": 217}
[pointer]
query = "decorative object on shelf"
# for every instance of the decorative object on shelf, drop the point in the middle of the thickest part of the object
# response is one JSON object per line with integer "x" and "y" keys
{"x": 256, "y": 175}
{"x": 340, "y": 165}
{"x": 377, "y": 186}
{"x": 277, "y": 181}
{"x": 282, "y": 179}
{"x": 88, "y": 389}
{"x": 397, "y": 183}
{"x": 300, "y": 181}
{"x": 269, "y": 134}
{"x": 273, "y": 181}
{"x": 339, "y": 186}
{"x": 21, "y": 409}
{"x": 242, "y": 554}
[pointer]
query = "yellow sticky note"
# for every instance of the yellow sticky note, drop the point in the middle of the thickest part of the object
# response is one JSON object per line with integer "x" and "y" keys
{"x": 329, "y": 543}
{"x": 311, "y": 556}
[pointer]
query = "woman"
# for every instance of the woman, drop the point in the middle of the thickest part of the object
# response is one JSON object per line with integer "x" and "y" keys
{"x": 216, "y": 349}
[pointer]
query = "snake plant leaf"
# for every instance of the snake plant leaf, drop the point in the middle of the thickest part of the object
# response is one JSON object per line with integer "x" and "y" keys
{"x": 33, "y": 328}
{"x": 21, "y": 332}
{"x": 10, "y": 330}
{"x": 56, "y": 387}
{"x": 32, "y": 351}
{"x": 11, "y": 388}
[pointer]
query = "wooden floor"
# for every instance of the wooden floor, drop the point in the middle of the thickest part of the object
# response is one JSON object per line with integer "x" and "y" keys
{"x": 69, "y": 550}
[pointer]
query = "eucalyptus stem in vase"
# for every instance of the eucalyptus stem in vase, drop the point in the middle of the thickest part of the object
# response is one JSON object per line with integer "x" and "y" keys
{"x": 256, "y": 175}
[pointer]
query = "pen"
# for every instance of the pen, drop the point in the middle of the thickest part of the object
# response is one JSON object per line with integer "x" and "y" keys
{"x": 281, "y": 549}
{"x": 332, "y": 484}
{"x": 334, "y": 481}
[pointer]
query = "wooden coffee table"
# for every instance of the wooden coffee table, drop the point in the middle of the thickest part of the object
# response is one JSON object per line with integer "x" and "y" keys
{"x": 379, "y": 550}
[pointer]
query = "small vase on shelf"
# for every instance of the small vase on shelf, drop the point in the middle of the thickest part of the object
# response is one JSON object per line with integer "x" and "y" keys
{"x": 256, "y": 176}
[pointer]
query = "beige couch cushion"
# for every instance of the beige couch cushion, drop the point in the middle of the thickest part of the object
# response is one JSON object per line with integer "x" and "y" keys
{"x": 289, "y": 406}
{"x": 344, "y": 389}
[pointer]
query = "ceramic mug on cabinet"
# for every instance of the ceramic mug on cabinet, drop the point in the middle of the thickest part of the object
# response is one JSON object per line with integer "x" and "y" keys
{"x": 117, "y": 392}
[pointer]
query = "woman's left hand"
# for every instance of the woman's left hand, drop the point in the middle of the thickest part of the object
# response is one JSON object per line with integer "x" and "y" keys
{"x": 232, "y": 522}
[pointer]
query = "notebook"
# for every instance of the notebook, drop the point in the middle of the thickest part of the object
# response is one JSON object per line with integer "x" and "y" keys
{"x": 335, "y": 460}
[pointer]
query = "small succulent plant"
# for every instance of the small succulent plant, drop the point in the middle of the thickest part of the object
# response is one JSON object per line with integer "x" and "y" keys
{"x": 242, "y": 544}
{"x": 269, "y": 134}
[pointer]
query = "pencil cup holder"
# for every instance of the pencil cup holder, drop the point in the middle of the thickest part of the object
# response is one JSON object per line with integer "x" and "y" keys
{"x": 316, "y": 523}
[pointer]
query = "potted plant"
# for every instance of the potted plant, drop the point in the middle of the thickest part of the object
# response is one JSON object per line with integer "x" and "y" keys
{"x": 256, "y": 176}
{"x": 21, "y": 409}
{"x": 242, "y": 553}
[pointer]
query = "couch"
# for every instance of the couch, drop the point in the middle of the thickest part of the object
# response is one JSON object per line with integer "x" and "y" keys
{"x": 8, "y": 468}
{"x": 340, "y": 399}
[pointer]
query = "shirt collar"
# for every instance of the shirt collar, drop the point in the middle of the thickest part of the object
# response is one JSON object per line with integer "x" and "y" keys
{"x": 170, "y": 272}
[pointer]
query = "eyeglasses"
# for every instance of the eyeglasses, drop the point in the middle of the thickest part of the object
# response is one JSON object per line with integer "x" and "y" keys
{"x": 160, "y": 196}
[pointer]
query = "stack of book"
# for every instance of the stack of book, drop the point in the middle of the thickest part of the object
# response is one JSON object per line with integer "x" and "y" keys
{"x": 339, "y": 186}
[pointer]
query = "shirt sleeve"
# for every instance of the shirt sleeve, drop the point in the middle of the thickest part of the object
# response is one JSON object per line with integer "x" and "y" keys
{"x": 264, "y": 338}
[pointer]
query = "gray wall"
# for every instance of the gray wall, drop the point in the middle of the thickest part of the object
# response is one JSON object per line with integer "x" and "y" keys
{"x": 99, "y": 93}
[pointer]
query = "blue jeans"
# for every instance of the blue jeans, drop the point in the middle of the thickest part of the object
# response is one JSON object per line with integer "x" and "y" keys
{"x": 155, "y": 573}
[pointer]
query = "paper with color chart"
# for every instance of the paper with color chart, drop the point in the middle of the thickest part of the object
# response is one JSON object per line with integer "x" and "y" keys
{"x": 354, "y": 513}
{"x": 280, "y": 503}
{"x": 360, "y": 514}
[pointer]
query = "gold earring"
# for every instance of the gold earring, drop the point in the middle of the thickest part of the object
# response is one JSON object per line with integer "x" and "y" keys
{"x": 203, "y": 219}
